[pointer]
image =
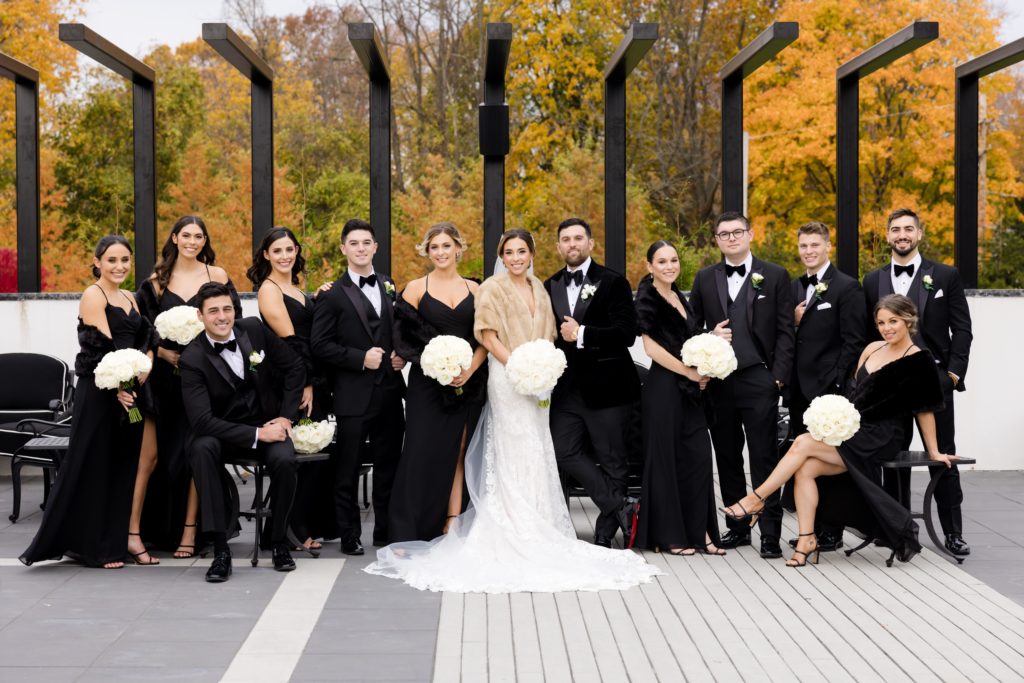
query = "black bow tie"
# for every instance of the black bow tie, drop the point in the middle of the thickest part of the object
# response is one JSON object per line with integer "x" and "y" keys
{"x": 740, "y": 270}
{"x": 369, "y": 280}
{"x": 575, "y": 277}
{"x": 225, "y": 346}
{"x": 808, "y": 280}
{"x": 899, "y": 270}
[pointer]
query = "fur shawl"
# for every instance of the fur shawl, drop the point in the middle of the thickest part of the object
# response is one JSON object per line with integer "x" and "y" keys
{"x": 906, "y": 386}
{"x": 657, "y": 319}
{"x": 94, "y": 345}
{"x": 500, "y": 308}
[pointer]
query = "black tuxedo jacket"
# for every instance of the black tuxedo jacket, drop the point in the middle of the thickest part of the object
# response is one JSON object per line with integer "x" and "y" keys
{"x": 830, "y": 337}
{"x": 944, "y": 318}
{"x": 602, "y": 370}
{"x": 343, "y": 331}
{"x": 769, "y": 310}
{"x": 210, "y": 390}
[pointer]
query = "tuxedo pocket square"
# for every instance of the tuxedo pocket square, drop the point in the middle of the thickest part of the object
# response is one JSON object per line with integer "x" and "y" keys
{"x": 824, "y": 305}
{"x": 760, "y": 296}
{"x": 938, "y": 294}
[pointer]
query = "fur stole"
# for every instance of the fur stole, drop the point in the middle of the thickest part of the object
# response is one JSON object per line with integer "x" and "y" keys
{"x": 500, "y": 308}
{"x": 906, "y": 386}
{"x": 657, "y": 319}
{"x": 94, "y": 345}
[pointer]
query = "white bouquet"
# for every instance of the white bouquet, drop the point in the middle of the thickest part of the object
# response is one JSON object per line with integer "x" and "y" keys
{"x": 179, "y": 324}
{"x": 445, "y": 357}
{"x": 831, "y": 419}
{"x": 312, "y": 437}
{"x": 710, "y": 354}
{"x": 533, "y": 369}
{"x": 119, "y": 370}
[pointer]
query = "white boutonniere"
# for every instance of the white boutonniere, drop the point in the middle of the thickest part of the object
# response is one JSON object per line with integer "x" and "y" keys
{"x": 255, "y": 358}
{"x": 929, "y": 284}
{"x": 820, "y": 289}
{"x": 756, "y": 279}
{"x": 588, "y": 291}
{"x": 389, "y": 287}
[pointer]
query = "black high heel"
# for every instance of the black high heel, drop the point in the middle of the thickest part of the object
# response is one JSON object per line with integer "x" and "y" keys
{"x": 186, "y": 554}
{"x": 753, "y": 515}
{"x": 137, "y": 556}
{"x": 793, "y": 562}
{"x": 706, "y": 550}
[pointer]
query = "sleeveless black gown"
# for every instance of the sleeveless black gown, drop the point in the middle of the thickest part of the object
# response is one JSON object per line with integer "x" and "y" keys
{"x": 87, "y": 514}
{"x": 436, "y": 420}
{"x": 678, "y": 504}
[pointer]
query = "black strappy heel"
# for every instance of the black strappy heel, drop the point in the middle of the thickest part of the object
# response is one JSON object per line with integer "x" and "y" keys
{"x": 136, "y": 556}
{"x": 753, "y": 515}
{"x": 794, "y": 562}
{"x": 186, "y": 554}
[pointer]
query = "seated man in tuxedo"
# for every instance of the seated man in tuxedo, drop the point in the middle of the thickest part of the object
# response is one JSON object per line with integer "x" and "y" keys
{"x": 233, "y": 405}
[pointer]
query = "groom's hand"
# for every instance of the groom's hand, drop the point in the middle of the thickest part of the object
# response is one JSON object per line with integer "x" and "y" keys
{"x": 397, "y": 362}
{"x": 272, "y": 432}
{"x": 568, "y": 328}
{"x": 373, "y": 358}
{"x": 722, "y": 330}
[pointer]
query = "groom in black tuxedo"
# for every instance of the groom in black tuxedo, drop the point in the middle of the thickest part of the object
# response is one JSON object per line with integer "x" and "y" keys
{"x": 234, "y": 404}
{"x": 352, "y": 335}
{"x": 593, "y": 308}
{"x": 749, "y": 302}
{"x": 944, "y": 328}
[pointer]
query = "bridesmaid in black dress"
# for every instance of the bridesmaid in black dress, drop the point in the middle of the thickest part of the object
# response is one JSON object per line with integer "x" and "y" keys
{"x": 87, "y": 513}
{"x": 428, "y": 486}
{"x": 168, "y": 520}
{"x": 677, "y": 513}
{"x": 277, "y": 269}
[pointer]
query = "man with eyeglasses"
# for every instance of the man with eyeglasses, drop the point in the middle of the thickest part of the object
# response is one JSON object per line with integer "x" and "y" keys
{"x": 749, "y": 303}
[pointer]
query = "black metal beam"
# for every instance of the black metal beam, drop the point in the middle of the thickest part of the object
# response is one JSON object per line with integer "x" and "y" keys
{"x": 769, "y": 43}
{"x": 26, "y": 105}
{"x": 371, "y": 55}
{"x": 237, "y": 52}
{"x": 966, "y": 154}
{"x": 636, "y": 43}
{"x": 494, "y": 137}
{"x": 143, "y": 79}
{"x": 848, "y": 78}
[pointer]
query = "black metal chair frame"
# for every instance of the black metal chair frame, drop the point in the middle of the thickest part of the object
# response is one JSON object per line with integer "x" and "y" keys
{"x": 41, "y": 450}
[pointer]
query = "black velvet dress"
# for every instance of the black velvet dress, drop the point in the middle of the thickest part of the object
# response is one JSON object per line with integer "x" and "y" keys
{"x": 436, "y": 419}
{"x": 678, "y": 504}
{"x": 884, "y": 398}
{"x": 87, "y": 514}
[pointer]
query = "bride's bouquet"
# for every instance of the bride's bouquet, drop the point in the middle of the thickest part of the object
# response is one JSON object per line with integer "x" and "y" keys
{"x": 312, "y": 437}
{"x": 710, "y": 354}
{"x": 119, "y": 370}
{"x": 445, "y": 357}
{"x": 179, "y": 324}
{"x": 533, "y": 369}
{"x": 831, "y": 419}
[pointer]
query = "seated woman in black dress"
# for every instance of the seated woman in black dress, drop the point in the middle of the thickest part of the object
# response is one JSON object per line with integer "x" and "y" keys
{"x": 277, "y": 270}
{"x": 894, "y": 379}
{"x": 678, "y": 509}
{"x": 87, "y": 513}
{"x": 427, "y": 492}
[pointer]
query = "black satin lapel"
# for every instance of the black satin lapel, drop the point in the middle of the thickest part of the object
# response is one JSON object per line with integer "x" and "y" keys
{"x": 752, "y": 293}
{"x": 220, "y": 365}
{"x": 884, "y": 282}
{"x": 245, "y": 346}
{"x": 722, "y": 285}
{"x": 583, "y": 304}
{"x": 921, "y": 294}
{"x": 352, "y": 292}
{"x": 559, "y": 298}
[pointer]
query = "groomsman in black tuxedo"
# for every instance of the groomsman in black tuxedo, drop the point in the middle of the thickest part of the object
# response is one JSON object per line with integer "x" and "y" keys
{"x": 593, "y": 307}
{"x": 750, "y": 303}
{"x": 944, "y": 324}
{"x": 234, "y": 405}
{"x": 829, "y": 322}
{"x": 352, "y": 335}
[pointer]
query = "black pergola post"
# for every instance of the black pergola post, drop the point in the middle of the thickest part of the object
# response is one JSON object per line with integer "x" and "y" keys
{"x": 237, "y": 52}
{"x": 965, "y": 156}
{"x": 494, "y": 137}
{"x": 636, "y": 43}
{"x": 848, "y": 78}
{"x": 143, "y": 78}
{"x": 371, "y": 55}
{"x": 26, "y": 105}
{"x": 771, "y": 41}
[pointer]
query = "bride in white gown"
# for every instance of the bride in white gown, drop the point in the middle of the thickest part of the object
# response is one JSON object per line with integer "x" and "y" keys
{"x": 516, "y": 535}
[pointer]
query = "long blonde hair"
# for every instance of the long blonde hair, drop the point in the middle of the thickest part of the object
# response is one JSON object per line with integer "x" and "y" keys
{"x": 446, "y": 228}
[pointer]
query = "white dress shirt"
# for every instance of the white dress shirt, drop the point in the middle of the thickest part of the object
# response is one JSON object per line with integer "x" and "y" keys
{"x": 901, "y": 284}
{"x": 810, "y": 288}
{"x": 573, "y": 291}
{"x": 735, "y": 281}
{"x": 235, "y": 361}
{"x": 372, "y": 292}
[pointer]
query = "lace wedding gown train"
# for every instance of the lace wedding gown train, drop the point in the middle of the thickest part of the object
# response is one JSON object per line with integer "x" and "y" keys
{"x": 516, "y": 536}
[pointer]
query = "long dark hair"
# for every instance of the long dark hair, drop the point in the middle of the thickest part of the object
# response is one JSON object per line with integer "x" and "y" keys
{"x": 169, "y": 254}
{"x": 106, "y": 242}
{"x": 260, "y": 268}
{"x": 658, "y": 244}
{"x": 514, "y": 234}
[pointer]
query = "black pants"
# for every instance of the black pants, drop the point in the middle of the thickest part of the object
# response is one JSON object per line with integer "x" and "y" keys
{"x": 746, "y": 404}
{"x": 602, "y": 473}
{"x": 207, "y": 457}
{"x": 384, "y": 423}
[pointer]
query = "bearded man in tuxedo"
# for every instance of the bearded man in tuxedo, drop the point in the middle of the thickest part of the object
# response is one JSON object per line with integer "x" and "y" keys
{"x": 593, "y": 308}
{"x": 234, "y": 405}
{"x": 944, "y": 328}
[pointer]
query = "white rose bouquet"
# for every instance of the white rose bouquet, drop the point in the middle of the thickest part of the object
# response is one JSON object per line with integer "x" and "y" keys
{"x": 710, "y": 354}
{"x": 312, "y": 437}
{"x": 831, "y": 419}
{"x": 119, "y": 370}
{"x": 533, "y": 369}
{"x": 179, "y": 324}
{"x": 445, "y": 357}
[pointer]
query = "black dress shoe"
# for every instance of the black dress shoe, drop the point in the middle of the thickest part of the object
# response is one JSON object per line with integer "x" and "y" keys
{"x": 827, "y": 542}
{"x": 624, "y": 516}
{"x": 734, "y": 539}
{"x": 956, "y": 545}
{"x": 603, "y": 541}
{"x": 351, "y": 546}
{"x": 283, "y": 561}
{"x": 220, "y": 570}
{"x": 770, "y": 548}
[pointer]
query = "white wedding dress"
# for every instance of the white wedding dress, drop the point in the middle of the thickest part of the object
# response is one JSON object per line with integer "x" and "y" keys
{"x": 516, "y": 535}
